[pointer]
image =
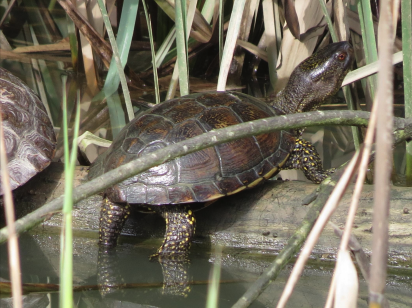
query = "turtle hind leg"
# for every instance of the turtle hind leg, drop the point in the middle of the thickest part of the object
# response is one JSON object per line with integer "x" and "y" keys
{"x": 173, "y": 254}
{"x": 180, "y": 228}
{"x": 305, "y": 157}
{"x": 112, "y": 219}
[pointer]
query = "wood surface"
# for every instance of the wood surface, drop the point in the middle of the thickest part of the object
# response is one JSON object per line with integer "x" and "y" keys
{"x": 261, "y": 218}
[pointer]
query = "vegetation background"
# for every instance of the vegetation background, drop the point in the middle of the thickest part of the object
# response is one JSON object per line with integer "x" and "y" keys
{"x": 66, "y": 51}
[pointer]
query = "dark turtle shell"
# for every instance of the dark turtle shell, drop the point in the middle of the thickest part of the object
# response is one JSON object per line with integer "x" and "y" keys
{"x": 28, "y": 133}
{"x": 204, "y": 175}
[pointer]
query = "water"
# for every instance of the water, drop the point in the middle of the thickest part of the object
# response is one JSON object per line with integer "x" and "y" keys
{"x": 142, "y": 281}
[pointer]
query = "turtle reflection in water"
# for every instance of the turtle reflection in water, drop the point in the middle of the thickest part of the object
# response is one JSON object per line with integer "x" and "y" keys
{"x": 170, "y": 189}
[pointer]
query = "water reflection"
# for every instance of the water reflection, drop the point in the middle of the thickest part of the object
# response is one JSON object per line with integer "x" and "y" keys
{"x": 127, "y": 275}
{"x": 113, "y": 279}
{"x": 132, "y": 280}
{"x": 124, "y": 277}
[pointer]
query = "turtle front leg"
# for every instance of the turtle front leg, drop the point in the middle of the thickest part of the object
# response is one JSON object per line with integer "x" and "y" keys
{"x": 112, "y": 219}
{"x": 305, "y": 157}
{"x": 180, "y": 228}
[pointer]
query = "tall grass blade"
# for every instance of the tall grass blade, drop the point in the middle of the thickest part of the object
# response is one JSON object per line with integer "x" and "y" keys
{"x": 221, "y": 34}
{"x": 88, "y": 57}
{"x": 369, "y": 69}
{"x": 406, "y": 11}
{"x": 209, "y": 8}
{"x": 35, "y": 19}
{"x": 270, "y": 32}
{"x": 277, "y": 23}
{"x": 230, "y": 44}
{"x": 171, "y": 90}
{"x": 369, "y": 41}
{"x": 201, "y": 30}
{"x": 182, "y": 55}
{"x": 181, "y": 44}
{"x": 163, "y": 52}
{"x": 214, "y": 280}
{"x": 38, "y": 83}
{"x": 74, "y": 52}
{"x": 328, "y": 21}
{"x": 351, "y": 106}
{"x": 120, "y": 53}
{"x": 253, "y": 49}
{"x": 66, "y": 257}
{"x": 7, "y": 12}
{"x": 47, "y": 81}
{"x": 155, "y": 77}
{"x": 165, "y": 47}
{"x": 52, "y": 4}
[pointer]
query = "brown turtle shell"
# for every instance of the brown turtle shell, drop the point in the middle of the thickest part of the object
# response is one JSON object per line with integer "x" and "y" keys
{"x": 204, "y": 175}
{"x": 28, "y": 133}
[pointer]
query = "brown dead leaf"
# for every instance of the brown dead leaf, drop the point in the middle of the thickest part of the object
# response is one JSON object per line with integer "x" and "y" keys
{"x": 99, "y": 45}
{"x": 292, "y": 18}
{"x": 62, "y": 45}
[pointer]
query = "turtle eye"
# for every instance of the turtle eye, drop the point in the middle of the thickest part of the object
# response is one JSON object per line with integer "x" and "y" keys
{"x": 342, "y": 56}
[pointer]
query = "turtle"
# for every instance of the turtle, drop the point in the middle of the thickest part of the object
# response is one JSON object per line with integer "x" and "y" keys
{"x": 28, "y": 132}
{"x": 173, "y": 189}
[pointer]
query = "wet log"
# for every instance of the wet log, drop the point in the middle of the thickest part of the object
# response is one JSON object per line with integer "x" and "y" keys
{"x": 262, "y": 218}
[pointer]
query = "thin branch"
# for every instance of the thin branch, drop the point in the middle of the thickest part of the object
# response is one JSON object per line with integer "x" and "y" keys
{"x": 295, "y": 242}
{"x": 203, "y": 141}
{"x": 99, "y": 45}
{"x": 293, "y": 245}
{"x": 327, "y": 211}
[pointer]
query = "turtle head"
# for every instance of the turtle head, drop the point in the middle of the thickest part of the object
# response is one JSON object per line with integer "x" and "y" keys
{"x": 315, "y": 79}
